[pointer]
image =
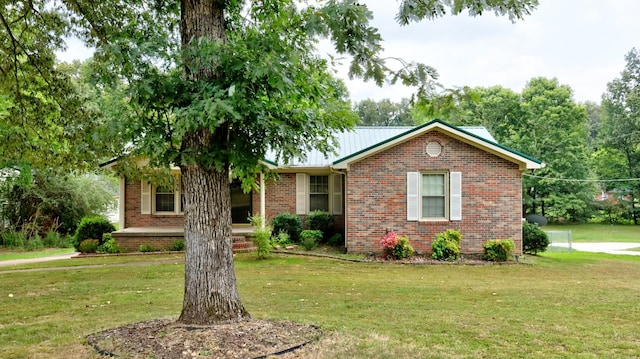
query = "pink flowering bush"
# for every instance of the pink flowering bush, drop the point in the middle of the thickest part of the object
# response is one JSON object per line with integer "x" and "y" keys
{"x": 396, "y": 247}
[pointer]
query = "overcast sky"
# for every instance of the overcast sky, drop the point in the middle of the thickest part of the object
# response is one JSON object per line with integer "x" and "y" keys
{"x": 582, "y": 43}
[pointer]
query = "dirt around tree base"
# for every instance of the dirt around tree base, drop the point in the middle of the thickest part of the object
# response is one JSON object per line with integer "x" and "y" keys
{"x": 164, "y": 338}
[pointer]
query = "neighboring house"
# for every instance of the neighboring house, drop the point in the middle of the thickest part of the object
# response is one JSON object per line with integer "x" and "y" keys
{"x": 416, "y": 181}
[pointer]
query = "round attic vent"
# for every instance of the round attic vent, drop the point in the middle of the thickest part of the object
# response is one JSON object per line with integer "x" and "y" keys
{"x": 434, "y": 149}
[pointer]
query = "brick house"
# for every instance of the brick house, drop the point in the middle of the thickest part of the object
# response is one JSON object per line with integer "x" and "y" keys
{"x": 417, "y": 181}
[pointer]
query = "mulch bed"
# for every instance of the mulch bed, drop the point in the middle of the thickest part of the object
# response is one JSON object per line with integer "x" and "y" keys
{"x": 164, "y": 338}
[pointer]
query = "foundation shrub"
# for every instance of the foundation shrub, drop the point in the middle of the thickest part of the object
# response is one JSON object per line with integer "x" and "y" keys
{"x": 446, "y": 245}
{"x": 177, "y": 246}
{"x": 497, "y": 250}
{"x": 310, "y": 238}
{"x": 396, "y": 247}
{"x": 88, "y": 246}
{"x": 321, "y": 221}
{"x": 93, "y": 227}
{"x": 289, "y": 223}
{"x": 534, "y": 239}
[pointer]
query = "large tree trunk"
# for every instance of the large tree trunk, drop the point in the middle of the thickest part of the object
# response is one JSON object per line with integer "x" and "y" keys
{"x": 210, "y": 290}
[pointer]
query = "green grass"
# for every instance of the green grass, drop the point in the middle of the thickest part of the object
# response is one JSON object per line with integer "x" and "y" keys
{"x": 9, "y": 255}
{"x": 598, "y": 232}
{"x": 567, "y": 305}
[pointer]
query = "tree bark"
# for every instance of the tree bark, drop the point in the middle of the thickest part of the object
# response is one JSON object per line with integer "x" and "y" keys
{"x": 210, "y": 289}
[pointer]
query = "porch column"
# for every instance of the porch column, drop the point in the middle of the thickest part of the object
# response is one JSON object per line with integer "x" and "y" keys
{"x": 263, "y": 215}
{"x": 121, "y": 202}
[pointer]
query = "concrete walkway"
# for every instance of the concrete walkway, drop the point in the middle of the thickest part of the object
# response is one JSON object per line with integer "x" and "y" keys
{"x": 36, "y": 260}
{"x": 605, "y": 247}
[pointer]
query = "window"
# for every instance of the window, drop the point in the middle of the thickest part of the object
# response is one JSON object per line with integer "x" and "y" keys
{"x": 434, "y": 196}
{"x": 165, "y": 199}
{"x": 434, "y": 200}
{"x": 169, "y": 199}
{"x": 319, "y": 193}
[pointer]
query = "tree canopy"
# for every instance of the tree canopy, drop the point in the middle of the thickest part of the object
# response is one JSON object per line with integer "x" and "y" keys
{"x": 211, "y": 86}
{"x": 620, "y": 132}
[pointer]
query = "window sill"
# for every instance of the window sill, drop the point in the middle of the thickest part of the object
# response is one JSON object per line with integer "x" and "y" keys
{"x": 431, "y": 220}
{"x": 167, "y": 214}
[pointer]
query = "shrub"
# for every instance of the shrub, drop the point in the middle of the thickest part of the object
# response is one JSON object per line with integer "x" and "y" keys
{"x": 261, "y": 237}
{"x": 321, "y": 221}
{"x": 310, "y": 238}
{"x": 177, "y": 246}
{"x": 396, "y": 247}
{"x": 34, "y": 243}
{"x": 109, "y": 245}
{"x": 403, "y": 248}
{"x": 335, "y": 240}
{"x": 88, "y": 246}
{"x": 145, "y": 248}
{"x": 282, "y": 239}
{"x": 497, "y": 250}
{"x": 53, "y": 239}
{"x": 289, "y": 223}
{"x": 13, "y": 239}
{"x": 446, "y": 245}
{"x": 534, "y": 239}
{"x": 93, "y": 227}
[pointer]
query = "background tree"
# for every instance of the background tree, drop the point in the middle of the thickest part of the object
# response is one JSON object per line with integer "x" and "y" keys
{"x": 555, "y": 129}
{"x": 54, "y": 200}
{"x": 215, "y": 83}
{"x": 384, "y": 112}
{"x": 620, "y": 133}
{"x": 544, "y": 122}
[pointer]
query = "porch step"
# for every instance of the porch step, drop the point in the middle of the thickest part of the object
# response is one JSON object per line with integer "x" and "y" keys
{"x": 242, "y": 244}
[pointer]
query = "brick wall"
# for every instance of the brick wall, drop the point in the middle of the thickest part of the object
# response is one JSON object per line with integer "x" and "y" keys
{"x": 491, "y": 196}
{"x": 133, "y": 217}
{"x": 130, "y": 242}
{"x": 280, "y": 197}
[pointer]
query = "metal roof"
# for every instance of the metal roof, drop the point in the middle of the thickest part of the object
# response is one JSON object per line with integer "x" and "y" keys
{"x": 361, "y": 138}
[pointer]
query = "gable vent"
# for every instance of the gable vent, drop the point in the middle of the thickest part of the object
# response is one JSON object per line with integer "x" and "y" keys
{"x": 434, "y": 149}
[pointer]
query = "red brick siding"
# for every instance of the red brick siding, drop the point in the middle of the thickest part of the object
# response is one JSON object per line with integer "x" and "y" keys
{"x": 280, "y": 197}
{"x": 133, "y": 217}
{"x": 491, "y": 196}
{"x": 132, "y": 242}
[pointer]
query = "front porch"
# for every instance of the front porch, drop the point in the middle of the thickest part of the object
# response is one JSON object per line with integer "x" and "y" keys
{"x": 164, "y": 238}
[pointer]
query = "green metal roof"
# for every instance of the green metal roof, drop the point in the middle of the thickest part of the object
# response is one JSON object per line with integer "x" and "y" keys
{"x": 360, "y": 140}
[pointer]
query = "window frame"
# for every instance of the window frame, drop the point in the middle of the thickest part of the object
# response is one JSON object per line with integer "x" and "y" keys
{"x": 177, "y": 198}
{"x": 446, "y": 196}
{"x": 327, "y": 193}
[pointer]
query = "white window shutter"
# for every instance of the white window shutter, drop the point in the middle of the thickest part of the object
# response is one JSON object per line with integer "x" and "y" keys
{"x": 336, "y": 181}
{"x": 302, "y": 193}
{"x": 413, "y": 196}
{"x": 145, "y": 197}
{"x": 455, "y": 193}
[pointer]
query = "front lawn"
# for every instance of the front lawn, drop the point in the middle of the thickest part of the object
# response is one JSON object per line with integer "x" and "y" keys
{"x": 567, "y": 305}
{"x": 598, "y": 232}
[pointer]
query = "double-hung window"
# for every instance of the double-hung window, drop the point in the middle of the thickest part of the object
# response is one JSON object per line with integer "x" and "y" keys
{"x": 167, "y": 199}
{"x": 434, "y": 196}
{"x": 319, "y": 193}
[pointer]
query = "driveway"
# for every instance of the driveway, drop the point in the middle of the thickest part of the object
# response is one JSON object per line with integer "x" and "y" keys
{"x": 605, "y": 247}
